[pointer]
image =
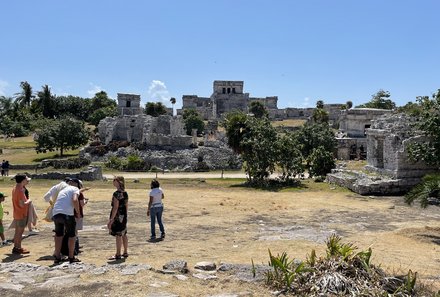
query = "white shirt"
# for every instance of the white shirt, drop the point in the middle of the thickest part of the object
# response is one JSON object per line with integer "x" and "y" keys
{"x": 64, "y": 203}
{"x": 52, "y": 194}
{"x": 156, "y": 193}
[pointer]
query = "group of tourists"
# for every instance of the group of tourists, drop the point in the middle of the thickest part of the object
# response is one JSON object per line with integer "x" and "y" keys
{"x": 67, "y": 201}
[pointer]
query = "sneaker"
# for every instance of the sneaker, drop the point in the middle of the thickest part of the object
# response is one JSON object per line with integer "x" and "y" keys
{"x": 152, "y": 239}
{"x": 74, "y": 260}
{"x": 5, "y": 242}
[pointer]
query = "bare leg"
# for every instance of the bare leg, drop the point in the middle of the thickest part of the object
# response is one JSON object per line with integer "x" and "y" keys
{"x": 58, "y": 244}
{"x": 17, "y": 236}
{"x": 125, "y": 243}
{"x": 118, "y": 245}
{"x": 72, "y": 247}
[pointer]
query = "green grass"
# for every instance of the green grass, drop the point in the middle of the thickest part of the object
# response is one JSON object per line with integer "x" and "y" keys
{"x": 21, "y": 150}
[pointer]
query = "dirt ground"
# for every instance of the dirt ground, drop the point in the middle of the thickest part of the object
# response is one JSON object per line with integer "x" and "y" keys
{"x": 221, "y": 221}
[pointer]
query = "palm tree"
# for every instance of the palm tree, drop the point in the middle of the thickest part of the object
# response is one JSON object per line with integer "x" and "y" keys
{"x": 173, "y": 101}
{"x": 46, "y": 102}
{"x": 429, "y": 188}
{"x": 25, "y": 96}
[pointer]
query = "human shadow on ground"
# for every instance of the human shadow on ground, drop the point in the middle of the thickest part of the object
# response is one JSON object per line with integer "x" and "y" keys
{"x": 12, "y": 257}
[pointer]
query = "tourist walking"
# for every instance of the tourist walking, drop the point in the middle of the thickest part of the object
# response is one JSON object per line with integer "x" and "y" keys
{"x": 155, "y": 209}
{"x": 2, "y": 229}
{"x": 20, "y": 206}
{"x": 117, "y": 223}
{"x": 64, "y": 219}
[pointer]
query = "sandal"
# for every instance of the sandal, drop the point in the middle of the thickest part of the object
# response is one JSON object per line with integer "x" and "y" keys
{"x": 115, "y": 257}
{"x": 125, "y": 255}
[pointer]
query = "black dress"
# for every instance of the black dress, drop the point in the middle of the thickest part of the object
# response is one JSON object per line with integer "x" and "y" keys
{"x": 119, "y": 225}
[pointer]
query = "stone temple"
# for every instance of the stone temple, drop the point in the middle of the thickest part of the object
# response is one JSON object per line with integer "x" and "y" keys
{"x": 226, "y": 96}
{"x": 133, "y": 125}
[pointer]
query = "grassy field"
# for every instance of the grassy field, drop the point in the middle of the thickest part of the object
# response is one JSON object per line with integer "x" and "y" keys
{"x": 21, "y": 150}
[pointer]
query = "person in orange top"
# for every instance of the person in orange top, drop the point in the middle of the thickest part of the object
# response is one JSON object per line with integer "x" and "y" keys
{"x": 20, "y": 206}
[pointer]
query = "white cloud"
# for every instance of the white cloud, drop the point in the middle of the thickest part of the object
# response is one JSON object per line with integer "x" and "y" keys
{"x": 3, "y": 87}
{"x": 94, "y": 89}
{"x": 306, "y": 102}
{"x": 158, "y": 92}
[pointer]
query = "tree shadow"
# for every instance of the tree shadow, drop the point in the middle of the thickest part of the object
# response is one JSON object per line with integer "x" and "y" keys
{"x": 272, "y": 185}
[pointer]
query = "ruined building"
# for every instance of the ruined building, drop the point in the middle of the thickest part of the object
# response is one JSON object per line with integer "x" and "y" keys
{"x": 226, "y": 96}
{"x": 352, "y": 135}
{"x": 133, "y": 125}
{"x": 389, "y": 170}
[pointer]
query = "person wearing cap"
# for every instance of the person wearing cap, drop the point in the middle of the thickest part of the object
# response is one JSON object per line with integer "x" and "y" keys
{"x": 2, "y": 229}
{"x": 64, "y": 219}
{"x": 20, "y": 206}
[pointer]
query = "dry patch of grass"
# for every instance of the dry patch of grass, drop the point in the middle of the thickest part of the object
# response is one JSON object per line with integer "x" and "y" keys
{"x": 218, "y": 220}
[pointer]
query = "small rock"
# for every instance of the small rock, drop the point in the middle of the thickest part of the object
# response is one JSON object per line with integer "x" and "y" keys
{"x": 205, "y": 265}
{"x": 176, "y": 265}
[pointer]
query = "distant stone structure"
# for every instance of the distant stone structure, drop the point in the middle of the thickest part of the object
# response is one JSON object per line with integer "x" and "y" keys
{"x": 226, "y": 96}
{"x": 133, "y": 125}
{"x": 389, "y": 170}
{"x": 229, "y": 95}
{"x": 352, "y": 135}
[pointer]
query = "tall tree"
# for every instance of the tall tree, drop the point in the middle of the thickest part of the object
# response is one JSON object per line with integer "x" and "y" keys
{"x": 173, "y": 101}
{"x": 62, "y": 134}
{"x": 235, "y": 124}
{"x": 380, "y": 100}
{"x": 45, "y": 103}
{"x": 26, "y": 95}
{"x": 320, "y": 115}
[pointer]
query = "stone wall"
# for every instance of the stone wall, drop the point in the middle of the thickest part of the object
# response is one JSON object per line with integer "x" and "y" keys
{"x": 153, "y": 131}
{"x": 355, "y": 121}
{"x": 92, "y": 173}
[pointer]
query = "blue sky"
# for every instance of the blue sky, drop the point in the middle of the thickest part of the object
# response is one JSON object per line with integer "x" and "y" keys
{"x": 300, "y": 51}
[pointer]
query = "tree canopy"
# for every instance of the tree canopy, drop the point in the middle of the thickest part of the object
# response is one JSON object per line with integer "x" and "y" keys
{"x": 193, "y": 120}
{"x": 155, "y": 109}
{"x": 62, "y": 134}
{"x": 429, "y": 123}
{"x": 380, "y": 100}
{"x": 258, "y": 109}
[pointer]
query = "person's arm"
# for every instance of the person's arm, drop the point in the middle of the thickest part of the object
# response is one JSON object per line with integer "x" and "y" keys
{"x": 149, "y": 205}
{"x": 114, "y": 212}
{"x": 76, "y": 204}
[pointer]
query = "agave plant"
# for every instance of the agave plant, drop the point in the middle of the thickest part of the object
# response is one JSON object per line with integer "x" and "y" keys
{"x": 428, "y": 188}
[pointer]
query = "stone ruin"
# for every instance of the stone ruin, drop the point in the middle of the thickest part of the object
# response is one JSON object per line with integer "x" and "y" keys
{"x": 160, "y": 141}
{"x": 133, "y": 125}
{"x": 389, "y": 170}
{"x": 352, "y": 135}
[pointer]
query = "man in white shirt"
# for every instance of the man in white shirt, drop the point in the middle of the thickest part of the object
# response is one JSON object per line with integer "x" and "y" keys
{"x": 64, "y": 218}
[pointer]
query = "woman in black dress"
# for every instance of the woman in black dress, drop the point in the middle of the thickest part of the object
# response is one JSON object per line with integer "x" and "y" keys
{"x": 117, "y": 223}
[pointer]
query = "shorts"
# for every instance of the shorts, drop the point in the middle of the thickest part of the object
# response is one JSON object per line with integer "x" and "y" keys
{"x": 64, "y": 225}
{"x": 21, "y": 223}
{"x": 2, "y": 229}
